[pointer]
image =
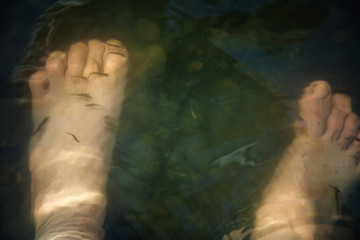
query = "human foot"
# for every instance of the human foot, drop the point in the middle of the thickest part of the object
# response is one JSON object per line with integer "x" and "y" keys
{"x": 303, "y": 198}
{"x": 73, "y": 100}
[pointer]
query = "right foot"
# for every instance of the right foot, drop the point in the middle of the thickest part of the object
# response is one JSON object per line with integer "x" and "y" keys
{"x": 321, "y": 162}
{"x": 73, "y": 100}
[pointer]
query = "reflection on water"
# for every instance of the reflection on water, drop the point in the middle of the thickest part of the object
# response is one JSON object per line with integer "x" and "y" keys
{"x": 209, "y": 104}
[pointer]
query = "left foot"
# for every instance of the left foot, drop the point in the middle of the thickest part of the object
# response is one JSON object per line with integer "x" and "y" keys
{"x": 73, "y": 100}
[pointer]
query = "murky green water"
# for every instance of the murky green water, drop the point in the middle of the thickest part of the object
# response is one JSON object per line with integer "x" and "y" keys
{"x": 210, "y": 101}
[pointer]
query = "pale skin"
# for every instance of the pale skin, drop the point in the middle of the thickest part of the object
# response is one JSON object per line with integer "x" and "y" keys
{"x": 72, "y": 99}
{"x": 299, "y": 201}
{"x": 77, "y": 92}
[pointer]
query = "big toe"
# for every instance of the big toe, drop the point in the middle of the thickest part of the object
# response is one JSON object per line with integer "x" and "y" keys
{"x": 315, "y": 106}
{"x": 115, "y": 57}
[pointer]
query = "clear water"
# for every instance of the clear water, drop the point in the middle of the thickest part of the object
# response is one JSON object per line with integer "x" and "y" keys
{"x": 210, "y": 101}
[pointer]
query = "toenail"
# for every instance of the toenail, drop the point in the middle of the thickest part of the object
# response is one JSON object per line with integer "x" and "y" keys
{"x": 38, "y": 76}
{"x": 115, "y": 43}
{"x": 53, "y": 54}
{"x": 57, "y": 54}
{"x": 95, "y": 42}
{"x": 80, "y": 45}
{"x": 320, "y": 90}
{"x": 115, "y": 46}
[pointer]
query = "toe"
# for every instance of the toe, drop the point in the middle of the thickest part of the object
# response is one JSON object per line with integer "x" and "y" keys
{"x": 38, "y": 84}
{"x": 318, "y": 89}
{"x": 315, "y": 106}
{"x": 115, "y": 56}
{"x": 341, "y": 107}
{"x": 55, "y": 68}
{"x": 350, "y": 129}
{"x": 76, "y": 61}
{"x": 94, "y": 61}
{"x": 225, "y": 237}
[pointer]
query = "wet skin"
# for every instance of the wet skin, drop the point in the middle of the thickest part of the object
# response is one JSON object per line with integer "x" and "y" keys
{"x": 302, "y": 199}
{"x": 71, "y": 145}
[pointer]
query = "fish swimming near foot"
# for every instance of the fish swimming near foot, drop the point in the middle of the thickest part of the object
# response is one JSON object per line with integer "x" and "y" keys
{"x": 45, "y": 120}
{"x": 75, "y": 138}
{"x": 86, "y": 95}
{"x": 99, "y": 73}
{"x": 94, "y": 105}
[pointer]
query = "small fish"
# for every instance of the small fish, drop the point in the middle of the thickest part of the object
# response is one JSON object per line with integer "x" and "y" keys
{"x": 192, "y": 112}
{"x": 41, "y": 124}
{"x": 95, "y": 105}
{"x": 180, "y": 174}
{"x": 337, "y": 191}
{"x": 99, "y": 73}
{"x": 335, "y": 188}
{"x": 81, "y": 77}
{"x": 81, "y": 95}
{"x": 75, "y": 138}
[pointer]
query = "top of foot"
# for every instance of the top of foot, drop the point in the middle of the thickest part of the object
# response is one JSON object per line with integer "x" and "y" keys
{"x": 73, "y": 99}
{"x": 318, "y": 167}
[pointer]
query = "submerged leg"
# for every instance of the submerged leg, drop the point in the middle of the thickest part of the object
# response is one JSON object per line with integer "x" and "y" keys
{"x": 299, "y": 202}
{"x": 302, "y": 200}
{"x": 72, "y": 99}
